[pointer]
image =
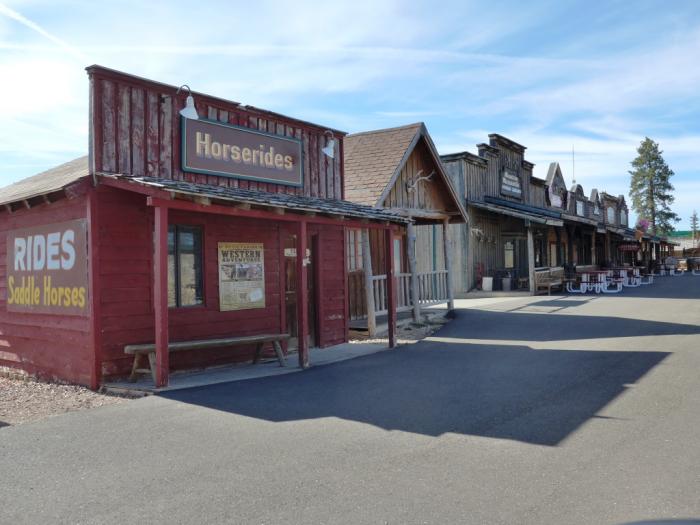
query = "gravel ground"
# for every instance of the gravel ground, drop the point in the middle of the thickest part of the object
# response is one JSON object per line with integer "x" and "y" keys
{"x": 406, "y": 333}
{"x": 22, "y": 401}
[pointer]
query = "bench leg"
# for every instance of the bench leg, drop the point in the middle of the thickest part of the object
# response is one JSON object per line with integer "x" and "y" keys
{"x": 278, "y": 351}
{"x": 152, "y": 365}
{"x": 134, "y": 367}
{"x": 258, "y": 351}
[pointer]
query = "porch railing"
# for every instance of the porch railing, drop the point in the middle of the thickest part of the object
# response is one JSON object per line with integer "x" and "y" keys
{"x": 432, "y": 289}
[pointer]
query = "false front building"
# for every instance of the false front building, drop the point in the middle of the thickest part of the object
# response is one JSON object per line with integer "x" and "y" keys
{"x": 191, "y": 219}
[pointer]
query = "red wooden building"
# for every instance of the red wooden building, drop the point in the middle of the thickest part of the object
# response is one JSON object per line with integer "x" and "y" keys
{"x": 175, "y": 229}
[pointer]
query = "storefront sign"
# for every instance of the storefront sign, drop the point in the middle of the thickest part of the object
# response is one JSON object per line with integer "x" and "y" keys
{"x": 510, "y": 183}
{"x": 214, "y": 148}
{"x": 241, "y": 276}
{"x": 47, "y": 269}
{"x": 628, "y": 247}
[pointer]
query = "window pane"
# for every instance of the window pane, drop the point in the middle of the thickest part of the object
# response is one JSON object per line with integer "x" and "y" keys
{"x": 190, "y": 261}
{"x": 509, "y": 253}
{"x": 172, "y": 299}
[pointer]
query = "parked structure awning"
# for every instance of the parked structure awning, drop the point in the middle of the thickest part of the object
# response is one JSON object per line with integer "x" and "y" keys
{"x": 504, "y": 210}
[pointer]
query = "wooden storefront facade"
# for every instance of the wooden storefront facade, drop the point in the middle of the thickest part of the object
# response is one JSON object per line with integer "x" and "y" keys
{"x": 520, "y": 224}
{"x": 155, "y": 231}
{"x": 399, "y": 170}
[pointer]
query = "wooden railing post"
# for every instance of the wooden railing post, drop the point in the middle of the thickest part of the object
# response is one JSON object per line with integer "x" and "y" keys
{"x": 160, "y": 294}
{"x": 369, "y": 284}
{"x": 414, "y": 273}
{"x": 302, "y": 298}
{"x": 531, "y": 259}
{"x": 448, "y": 264}
{"x": 390, "y": 286}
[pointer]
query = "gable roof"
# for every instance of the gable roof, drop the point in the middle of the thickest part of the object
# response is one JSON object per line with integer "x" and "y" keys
{"x": 374, "y": 159}
{"x": 45, "y": 182}
{"x": 554, "y": 168}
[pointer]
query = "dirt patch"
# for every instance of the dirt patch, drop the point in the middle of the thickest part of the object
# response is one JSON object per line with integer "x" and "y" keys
{"x": 22, "y": 400}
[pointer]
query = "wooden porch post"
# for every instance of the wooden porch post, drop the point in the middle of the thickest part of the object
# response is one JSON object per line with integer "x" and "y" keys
{"x": 160, "y": 295}
{"x": 414, "y": 271}
{"x": 302, "y": 298}
{"x": 369, "y": 284}
{"x": 593, "y": 261}
{"x": 531, "y": 259}
{"x": 448, "y": 263}
{"x": 390, "y": 286}
{"x": 560, "y": 253}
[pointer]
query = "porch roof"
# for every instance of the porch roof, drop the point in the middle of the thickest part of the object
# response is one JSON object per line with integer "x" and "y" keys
{"x": 295, "y": 203}
{"x": 520, "y": 214}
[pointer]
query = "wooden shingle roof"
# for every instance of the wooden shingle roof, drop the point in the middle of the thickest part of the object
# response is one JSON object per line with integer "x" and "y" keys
{"x": 371, "y": 159}
{"x": 45, "y": 182}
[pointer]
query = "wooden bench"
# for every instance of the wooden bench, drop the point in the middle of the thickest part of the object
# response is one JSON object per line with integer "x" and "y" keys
{"x": 149, "y": 349}
{"x": 548, "y": 279}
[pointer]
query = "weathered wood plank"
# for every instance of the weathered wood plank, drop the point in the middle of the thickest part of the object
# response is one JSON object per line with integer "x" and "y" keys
{"x": 109, "y": 160}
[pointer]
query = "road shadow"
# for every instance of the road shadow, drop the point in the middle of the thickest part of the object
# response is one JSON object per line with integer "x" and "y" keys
{"x": 3, "y": 424}
{"x": 432, "y": 387}
{"x": 522, "y": 324}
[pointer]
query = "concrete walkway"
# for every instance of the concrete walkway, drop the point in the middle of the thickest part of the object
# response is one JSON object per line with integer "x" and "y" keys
{"x": 531, "y": 411}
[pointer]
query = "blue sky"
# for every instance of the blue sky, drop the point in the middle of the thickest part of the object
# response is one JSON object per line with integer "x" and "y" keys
{"x": 596, "y": 75}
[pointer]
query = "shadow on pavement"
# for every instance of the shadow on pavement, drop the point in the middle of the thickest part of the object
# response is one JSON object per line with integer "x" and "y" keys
{"x": 3, "y": 424}
{"x": 500, "y": 391}
{"x": 664, "y": 522}
{"x": 523, "y": 325}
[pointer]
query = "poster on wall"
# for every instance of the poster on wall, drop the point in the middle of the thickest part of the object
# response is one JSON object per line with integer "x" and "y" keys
{"x": 47, "y": 269}
{"x": 241, "y": 276}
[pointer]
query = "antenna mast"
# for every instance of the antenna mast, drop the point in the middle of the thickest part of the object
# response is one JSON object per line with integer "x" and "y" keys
{"x": 573, "y": 164}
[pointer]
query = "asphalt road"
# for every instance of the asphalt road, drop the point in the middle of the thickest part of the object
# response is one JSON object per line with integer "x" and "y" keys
{"x": 561, "y": 410}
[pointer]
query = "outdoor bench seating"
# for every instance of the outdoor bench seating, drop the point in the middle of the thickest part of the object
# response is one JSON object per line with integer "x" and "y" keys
{"x": 149, "y": 349}
{"x": 548, "y": 279}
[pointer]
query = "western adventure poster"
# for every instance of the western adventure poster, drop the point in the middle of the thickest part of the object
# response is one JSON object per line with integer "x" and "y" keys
{"x": 241, "y": 276}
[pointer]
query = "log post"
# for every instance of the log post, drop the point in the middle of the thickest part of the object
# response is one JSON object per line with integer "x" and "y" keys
{"x": 560, "y": 253}
{"x": 448, "y": 263}
{"x": 369, "y": 285}
{"x": 531, "y": 259}
{"x": 160, "y": 294}
{"x": 390, "y": 286}
{"x": 412, "y": 266}
{"x": 302, "y": 298}
{"x": 593, "y": 261}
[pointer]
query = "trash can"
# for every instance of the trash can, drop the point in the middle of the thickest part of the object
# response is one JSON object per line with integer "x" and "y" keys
{"x": 487, "y": 284}
{"x": 507, "y": 284}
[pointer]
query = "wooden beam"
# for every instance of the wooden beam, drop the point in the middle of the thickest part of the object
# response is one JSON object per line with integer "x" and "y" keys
{"x": 369, "y": 286}
{"x": 160, "y": 294}
{"x": 263, "y": 214}
{"x": 531, "y": 260}
{"x": 46, "y": 198}
{"x": 412, "y": 268}
{"x": 26, "y": 204}
{"x": 204, "y": 201}
{"x": 302, "y": 297}
{"x": 390, "y": 286}
{"x": 9, "y": 209}
{"x": 448, "y": 263}
{"x": 278, "y": 211}
{"x": 242, "y": 206}
{"x": 94, "y": 279}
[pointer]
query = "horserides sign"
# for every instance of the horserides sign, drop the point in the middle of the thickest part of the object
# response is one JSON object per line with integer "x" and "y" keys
{"x": 214, "y": 148}
{"x": 47, "y": 269}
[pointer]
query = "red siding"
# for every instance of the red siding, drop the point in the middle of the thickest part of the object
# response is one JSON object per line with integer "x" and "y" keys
{"x": 49, "y": 346}
{"x": 137, "y": 131}
{"x": 126, "y": 263}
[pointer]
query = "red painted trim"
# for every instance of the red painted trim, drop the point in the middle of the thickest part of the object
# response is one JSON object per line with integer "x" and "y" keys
{"x": 346, "y": 286}
{"x": 94, "y": 279}
{"x": 262, "y": 214}
{"x": 318, "y": 286}
{"x": 302, "y": 297}
{"x": 283, "y": 284}
{"x": 160, "y": 294}
{"x": 390, "y": 286}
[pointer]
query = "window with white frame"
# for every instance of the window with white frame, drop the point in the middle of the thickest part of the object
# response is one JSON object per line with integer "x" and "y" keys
{"x": 354, "y": 248}
{"x": 580, "y": 210}
{"x": 623, "y": 217}
{"x": 611, "y": 215}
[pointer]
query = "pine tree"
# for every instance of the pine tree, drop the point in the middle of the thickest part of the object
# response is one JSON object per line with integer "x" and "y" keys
{"x": 694, "y": 226}
{"x": 651, "y": 188}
